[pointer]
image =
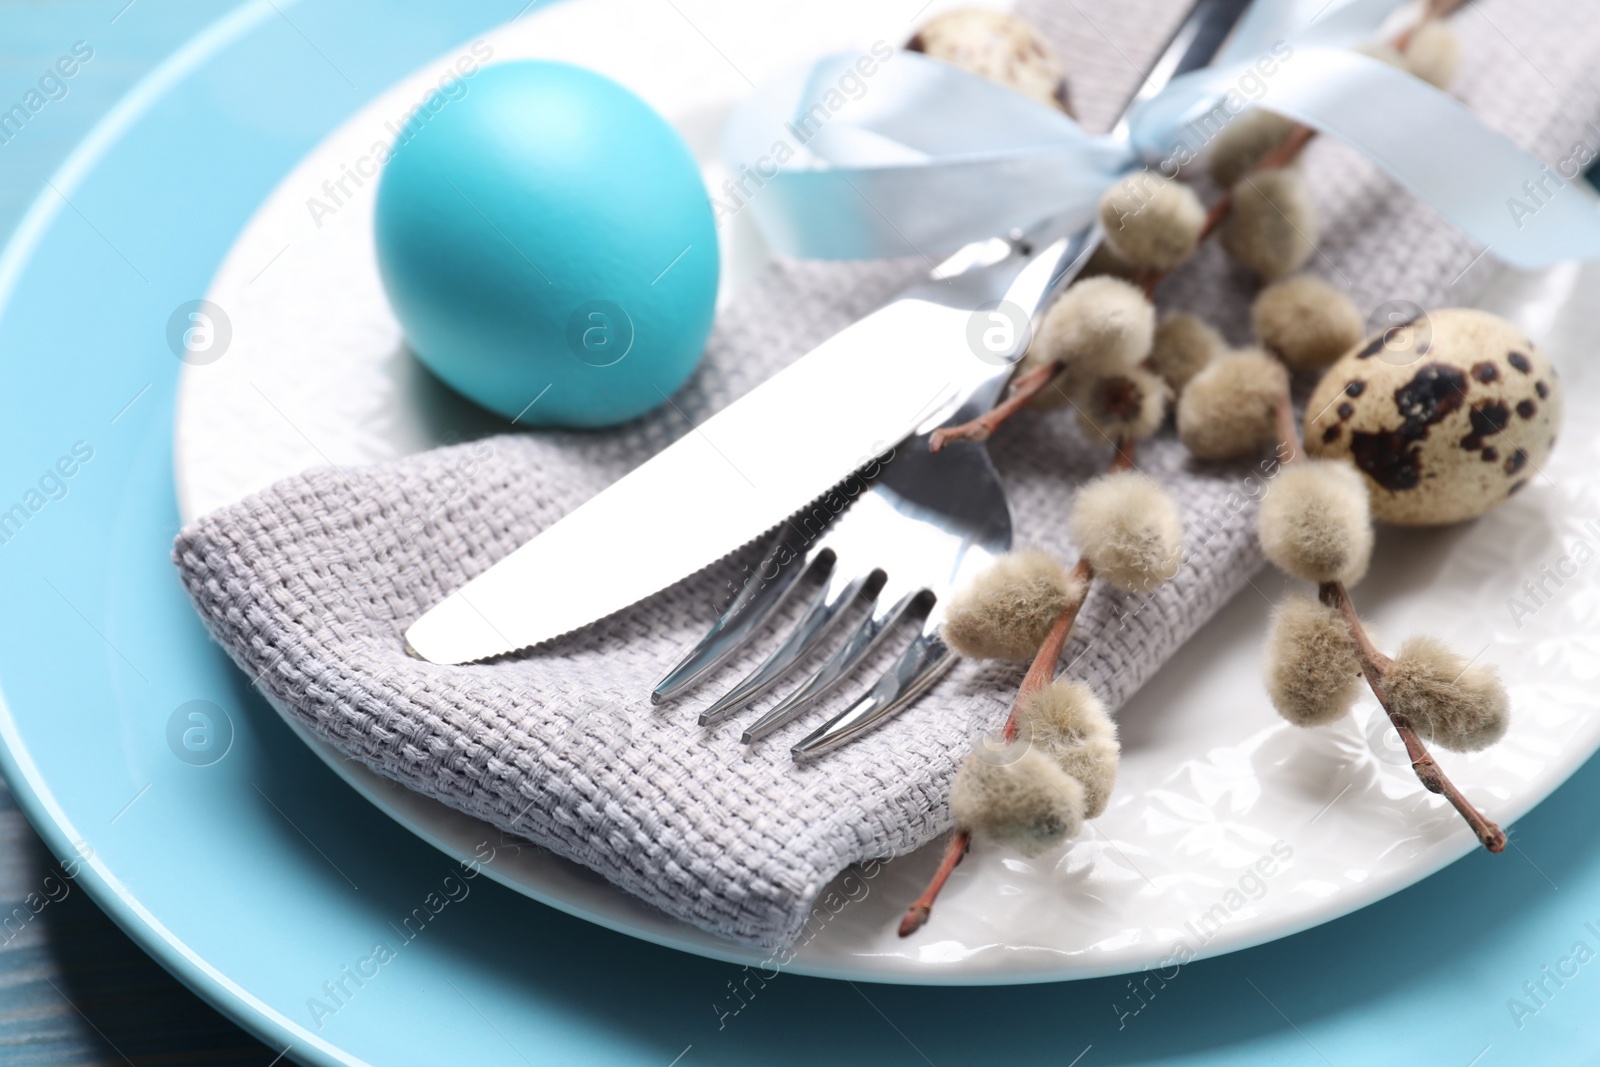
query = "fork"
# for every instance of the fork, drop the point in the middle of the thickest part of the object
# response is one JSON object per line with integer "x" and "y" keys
{"x": 921, "y": 528}
{"x": 941, "y": 518}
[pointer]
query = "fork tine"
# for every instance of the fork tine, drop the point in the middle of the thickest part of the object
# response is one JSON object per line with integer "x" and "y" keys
{"x": 866, "y": 637}
{"x": 819, "y": 619}
{"x": 755, "y": 603}
{"x": 918, "y": 667}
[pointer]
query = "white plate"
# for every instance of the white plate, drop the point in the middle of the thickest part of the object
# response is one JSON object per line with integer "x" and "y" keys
{"x": 1229, "y": 827}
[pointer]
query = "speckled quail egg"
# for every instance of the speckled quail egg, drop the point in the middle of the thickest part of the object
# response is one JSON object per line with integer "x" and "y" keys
{"x": 1447, "y": 415}
{"x": 997, "y": 46}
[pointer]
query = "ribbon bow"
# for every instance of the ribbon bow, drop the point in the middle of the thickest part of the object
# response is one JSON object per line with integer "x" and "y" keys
{"x": 892, "y": 153}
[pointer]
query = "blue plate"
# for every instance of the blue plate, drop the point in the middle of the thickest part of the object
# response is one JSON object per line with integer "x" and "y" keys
{"x": 196, "y": 819}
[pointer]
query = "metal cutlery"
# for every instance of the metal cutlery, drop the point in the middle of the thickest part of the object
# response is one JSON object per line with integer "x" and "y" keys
{"x": 901, "y": 370}
{"x": 922, "y": 527}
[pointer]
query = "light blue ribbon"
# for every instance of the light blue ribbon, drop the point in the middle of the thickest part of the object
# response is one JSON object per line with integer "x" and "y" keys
{"x": 863, "y": 157}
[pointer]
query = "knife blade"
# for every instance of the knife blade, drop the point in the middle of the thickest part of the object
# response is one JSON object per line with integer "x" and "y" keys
{"x": 728, "y": 480}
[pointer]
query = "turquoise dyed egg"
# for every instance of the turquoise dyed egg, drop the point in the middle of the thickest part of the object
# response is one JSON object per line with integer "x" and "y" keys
{"x": 547, "y": 244}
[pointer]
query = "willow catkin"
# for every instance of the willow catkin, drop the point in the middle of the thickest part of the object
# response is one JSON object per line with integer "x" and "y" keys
{"x": 1007, "y": 611}
{"x": 1128, "y": 405}
{"x": 1230, "y": 408}
{"x": 1244, "y": 142}
{"x": 1152, "y": 221}
{"x": 1127, "y": 527}
{"x": 1099, "y": 326}
{"x": 1312, "y": 673}
{"x": 1067, "y": 722}
{"x": 1184, "y": 345}
{"x": 1029, "y": 803}
{"x": 1272, "y": 225}
{"x": 1315, "y": 522}
{"x": 1306, "y": 321}
{"x": 1450, "y": 701}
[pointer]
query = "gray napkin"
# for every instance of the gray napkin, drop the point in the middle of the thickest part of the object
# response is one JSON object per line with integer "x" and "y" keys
{"x": 310, "y": 584}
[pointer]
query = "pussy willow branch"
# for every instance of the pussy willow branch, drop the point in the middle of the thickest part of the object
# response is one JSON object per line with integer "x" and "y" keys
{"x": 1286, "y": 152}
{"x": 1023, "y": 388}
{"x": 1374, "y": 665}
{"x": 1027, "y": 386}
{"x": 1041, "y": 672}
{"x": 1288, "y": 433}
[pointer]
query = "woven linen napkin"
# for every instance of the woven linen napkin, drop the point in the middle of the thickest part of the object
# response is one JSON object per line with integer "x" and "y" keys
{"x": 310, "y": 584}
